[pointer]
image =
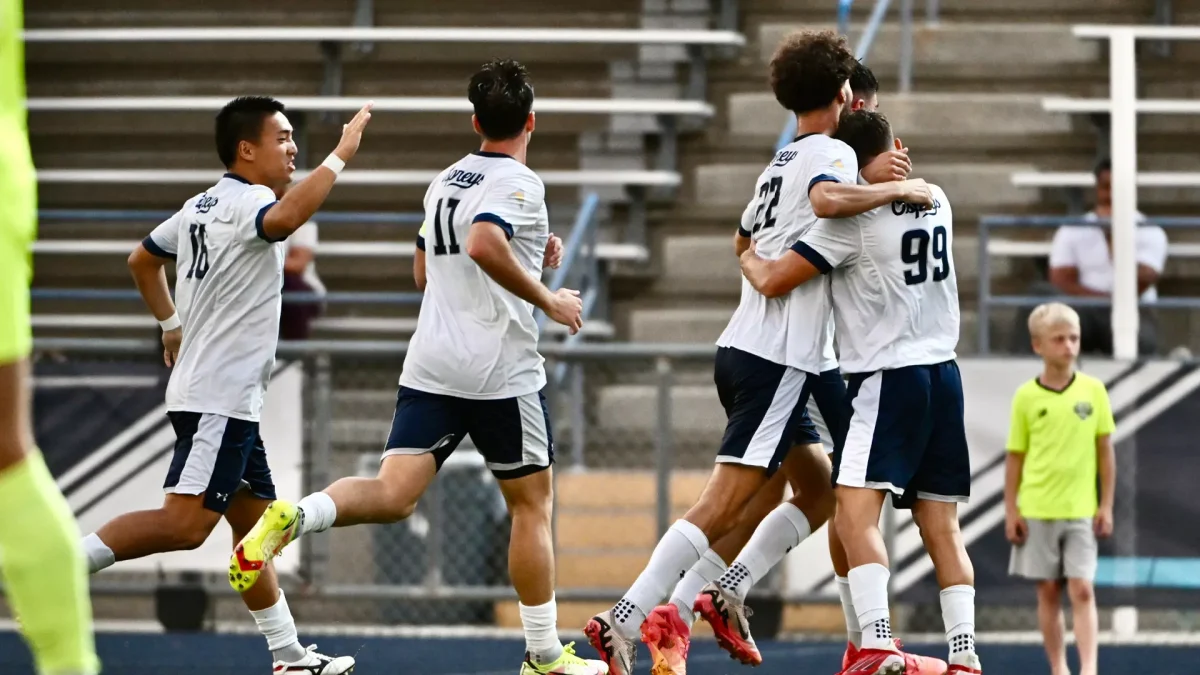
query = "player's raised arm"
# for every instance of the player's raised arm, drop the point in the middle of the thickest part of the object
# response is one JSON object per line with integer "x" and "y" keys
{"x": 865, "y": 138}
{"x": 487, "y": 245}
{"x": 842, "y": 200}
{"x": 302, "y": 201}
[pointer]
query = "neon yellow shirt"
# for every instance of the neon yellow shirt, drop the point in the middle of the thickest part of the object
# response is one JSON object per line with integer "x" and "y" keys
{"x": 18, "y": 189}
{"x": 1057, "y": 432}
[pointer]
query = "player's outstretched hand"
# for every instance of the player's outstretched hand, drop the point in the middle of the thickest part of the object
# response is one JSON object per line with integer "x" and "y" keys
{"x": 352, "y": 133}
{"x": 566, "y": 307}
{"x": 171, "y": 341}
{"x": 889, "y": 166}
{"x": 554, "y": 252}
{"x": 916, "y": 191}
{"x": 1015, "y": 529}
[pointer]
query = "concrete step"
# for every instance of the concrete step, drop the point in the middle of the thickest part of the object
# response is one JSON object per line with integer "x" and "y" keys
{"x": 695, "y": 409}
{"x": 971, "y": 187}
{"x": 699, "y": 264}
{"x": 594, "y": 490}
{"x": 954, "y": 119}
{"x": 680, "y": 324}
{"x": 1005, "y": 49}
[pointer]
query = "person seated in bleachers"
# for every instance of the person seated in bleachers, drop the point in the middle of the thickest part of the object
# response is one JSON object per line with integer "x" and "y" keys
{"x": 1081, "y": 265}
{"x": 300, "y": 276}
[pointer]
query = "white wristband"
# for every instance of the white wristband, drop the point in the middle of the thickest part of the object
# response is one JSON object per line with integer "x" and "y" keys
{"x": 171, "y": 323}
{"x": 334, "y": 163}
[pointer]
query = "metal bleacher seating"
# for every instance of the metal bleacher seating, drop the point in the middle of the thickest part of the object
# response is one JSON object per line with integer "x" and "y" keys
{"x": 100, "y": 151}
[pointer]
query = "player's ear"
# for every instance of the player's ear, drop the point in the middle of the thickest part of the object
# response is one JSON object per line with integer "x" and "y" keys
{"x": 530, "y": 122}
{"x": 245, "y": 150}
{"x": 475, "y": 125}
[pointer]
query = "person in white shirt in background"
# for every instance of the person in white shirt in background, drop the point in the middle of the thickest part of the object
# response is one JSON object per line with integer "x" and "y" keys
{"x": 300, "y": 276}
{"x": 1081, "y": 265}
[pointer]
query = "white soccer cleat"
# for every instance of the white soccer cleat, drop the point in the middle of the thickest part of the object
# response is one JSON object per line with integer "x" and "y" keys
{"x": 316, "y": 664}
{"x": 616, "y": 651}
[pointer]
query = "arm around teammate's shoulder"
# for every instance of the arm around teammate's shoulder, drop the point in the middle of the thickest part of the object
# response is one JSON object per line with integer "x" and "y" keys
{"x": 842, "y": 200}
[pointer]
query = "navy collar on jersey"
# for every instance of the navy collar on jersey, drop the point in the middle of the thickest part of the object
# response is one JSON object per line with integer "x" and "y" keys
{"x": 804, "y": 136}
{"x": 234, "y": 176}
{"x": 495, "y": 155}
{"x": 1038, "y": 379}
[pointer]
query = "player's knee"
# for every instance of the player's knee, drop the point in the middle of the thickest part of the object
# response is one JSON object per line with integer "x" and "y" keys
{"x": 1049, "y": 593}
{"x": 1081, "y": 591}
{"x": 191, "y": 538}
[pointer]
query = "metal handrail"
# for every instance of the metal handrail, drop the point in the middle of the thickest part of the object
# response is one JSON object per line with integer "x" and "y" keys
{"x": 986, "y": 300}
{"x": 584, "y": 222}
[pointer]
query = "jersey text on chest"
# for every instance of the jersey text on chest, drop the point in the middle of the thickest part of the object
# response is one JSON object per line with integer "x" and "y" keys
{"x": 900, "y": 208}
{"x": 463, "y": 179}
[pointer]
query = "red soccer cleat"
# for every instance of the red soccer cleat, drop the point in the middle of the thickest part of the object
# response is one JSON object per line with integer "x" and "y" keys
{"x": 877, "y": 662}
{"x": 850, "y": 655}
{"x": 668, "y": 638}
{"x": 728, "y": 619}
{"x": 915, "y": 664}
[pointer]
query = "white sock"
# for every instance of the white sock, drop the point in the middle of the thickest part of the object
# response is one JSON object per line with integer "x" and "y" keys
{"x": 853, "y": 630}
{"x": 958, "y": 613}
{"x": 676, "y": 553}
{"x": 541, "y": 632}
{"x": 868, "y": 586}
{"x": 782, "y": 530}
{"x": 707, "y": 569}
{"x": 276, "y": 624}
{"x": 99, "y": 555}
{"x": 319, "y": 512}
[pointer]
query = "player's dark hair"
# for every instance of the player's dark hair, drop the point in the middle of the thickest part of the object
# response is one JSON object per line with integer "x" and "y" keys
{"x": 863, "y": 81}
{"x": 809, "y": 69}
{"x": 503, "y": 97}
{"x": 1103, "y": 165}
{"x": 242, "y": 120}
{"x": 867, "y": 133}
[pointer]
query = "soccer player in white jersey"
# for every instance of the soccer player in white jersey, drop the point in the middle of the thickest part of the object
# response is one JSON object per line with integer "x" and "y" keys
{"x": 472, "y": 367}
{"x": 219, "y": 337}
{"x": 895, "y": 298}
{"x": 765, "y": 536}
{"x": 762, "y": 386}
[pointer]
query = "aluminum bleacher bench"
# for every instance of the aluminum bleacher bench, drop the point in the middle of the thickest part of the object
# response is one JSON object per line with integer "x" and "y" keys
{"x": 632, "y": 36}
{"x": 1066, "y": 104}
{"x": 615, "y": 251}
{"x": 407, "y": 104}
{"x": 1078, "y": 179}
{"x": 202, "y": 177}
{"x": 592, "y": 328}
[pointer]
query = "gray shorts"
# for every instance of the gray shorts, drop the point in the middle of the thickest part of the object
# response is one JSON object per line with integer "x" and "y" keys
{"x": 1056, "y": 549}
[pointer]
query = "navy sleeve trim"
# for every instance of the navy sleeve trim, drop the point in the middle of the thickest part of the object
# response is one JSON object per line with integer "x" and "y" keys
{"x": 823, "y": 178}
{"x": 493, "y": 218}
{"x": 810, "y": 254}
{"x": 420, "y": 242}
{"x": 258, "y": 225}
{"x": 743, "y": 232}
{"x": 149, "y": 244}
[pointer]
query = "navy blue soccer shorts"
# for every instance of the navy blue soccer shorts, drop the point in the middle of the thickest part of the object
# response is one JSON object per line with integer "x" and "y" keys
{"x": 217, "y": 456}
{"x": 512, "y": 434}
{"x": 764, "y": 403}
{"x": 905, "y": 434}
{"x": 822, "y": 419}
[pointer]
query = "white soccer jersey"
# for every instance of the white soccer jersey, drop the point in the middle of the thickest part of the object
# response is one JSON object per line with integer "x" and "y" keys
{"x": 895, "y": 294}
{"x": 474, "y": 339}
{"x": 228, "y": 290}
{"x": 795, "y": 329}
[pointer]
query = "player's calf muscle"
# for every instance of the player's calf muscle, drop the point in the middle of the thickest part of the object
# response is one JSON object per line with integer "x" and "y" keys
{"x": 15, "y": 437}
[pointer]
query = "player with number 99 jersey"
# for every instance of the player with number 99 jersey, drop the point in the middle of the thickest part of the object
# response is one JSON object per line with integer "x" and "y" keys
{"x": 474, "y": 339}
{"x": 895, "y": 297}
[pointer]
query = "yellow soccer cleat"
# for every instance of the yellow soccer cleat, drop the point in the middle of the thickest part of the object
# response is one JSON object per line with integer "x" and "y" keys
{"x": 567, "y": 664}
{"x": 277, "y": 527}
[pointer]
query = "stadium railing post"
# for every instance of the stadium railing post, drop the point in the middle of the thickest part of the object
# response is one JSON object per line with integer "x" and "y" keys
{"x": 663, "y": 445}
{"x": 1123, "y": 98}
